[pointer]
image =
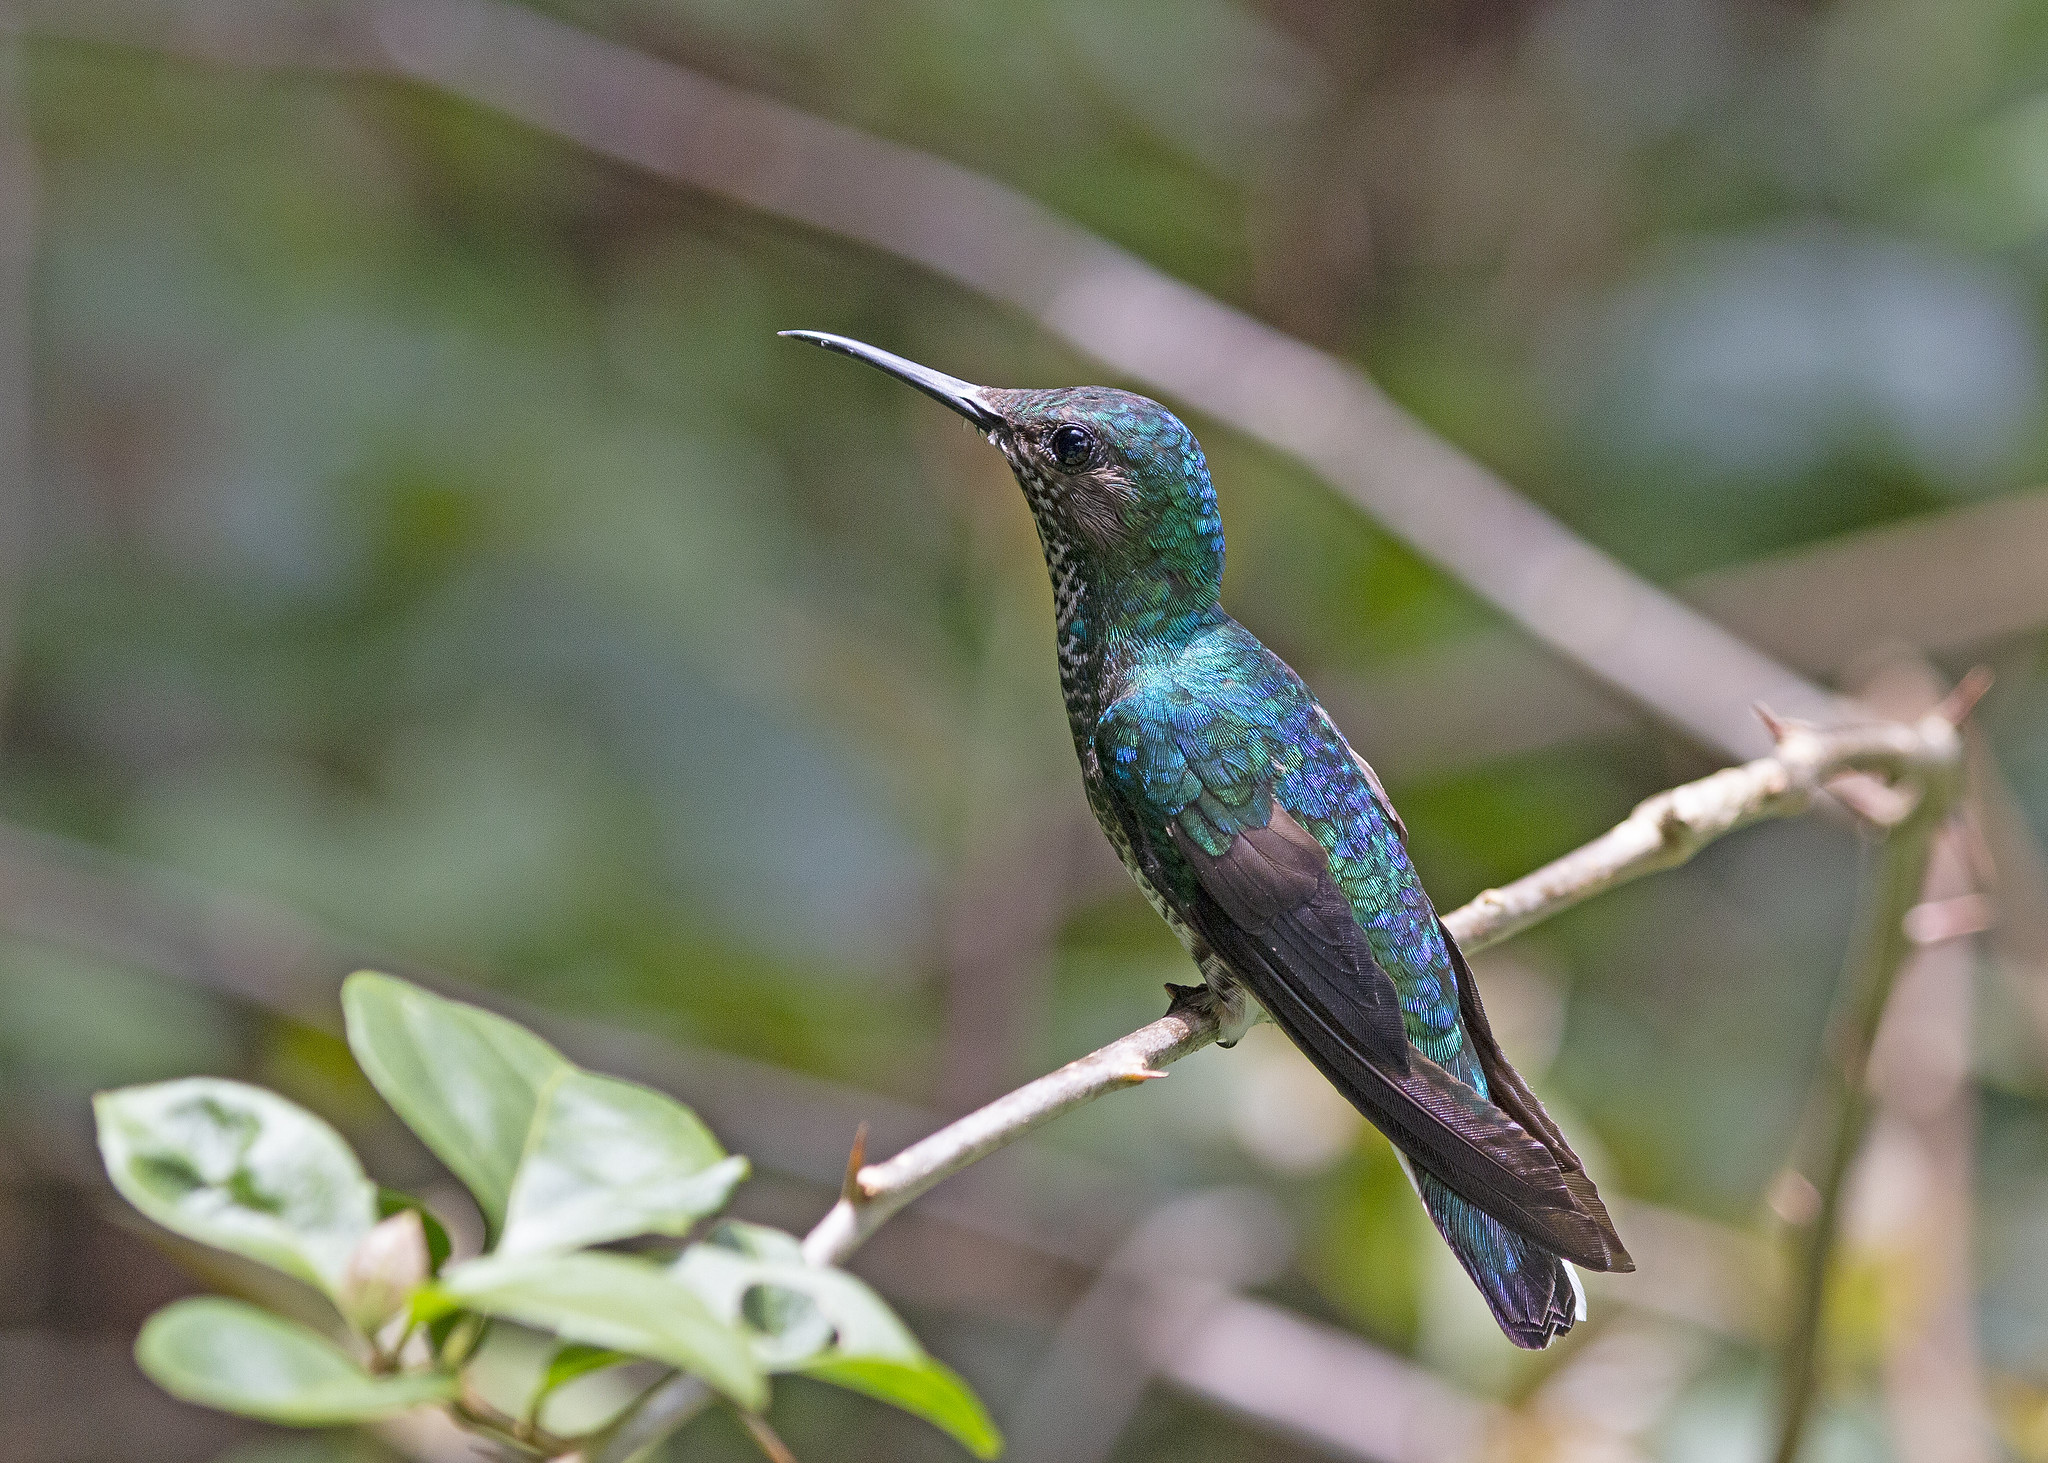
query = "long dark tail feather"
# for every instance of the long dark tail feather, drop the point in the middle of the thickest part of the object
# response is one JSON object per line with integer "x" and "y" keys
{"x": 1531, "y": 1292}
{"x": 1505, "y": 1086}
{"x": 1439, "y": 1122}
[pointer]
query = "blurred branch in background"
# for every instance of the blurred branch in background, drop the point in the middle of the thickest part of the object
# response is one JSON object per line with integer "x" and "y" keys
{"x": 1914, "y": 1213}
{"x": 1897, "y": 884}
{"x": 1313, "y": 1383}
{"x": 1186, "y": 1257}
{"x": 1613, "y": 1390}
{"x": 1943, "y": 583}
{"x": 17, "y": 264}
{"x": 1919, "y": 1179}
{"x": 1163, "y": 334}
{"x": 2019, "y": 877}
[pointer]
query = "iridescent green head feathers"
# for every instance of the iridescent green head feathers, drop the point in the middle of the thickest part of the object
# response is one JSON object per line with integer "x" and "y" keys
{"x": 1117, "y": 485}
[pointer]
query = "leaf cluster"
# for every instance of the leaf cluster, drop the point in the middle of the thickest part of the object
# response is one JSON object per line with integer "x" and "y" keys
{"x": 561, "y": 1162}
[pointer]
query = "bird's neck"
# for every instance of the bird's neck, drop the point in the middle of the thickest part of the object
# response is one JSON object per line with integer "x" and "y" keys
{"x": 1109, "y": 620}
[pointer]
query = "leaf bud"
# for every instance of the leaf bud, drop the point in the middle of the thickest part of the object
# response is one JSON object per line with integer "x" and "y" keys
{"x": 386, "y": 1266}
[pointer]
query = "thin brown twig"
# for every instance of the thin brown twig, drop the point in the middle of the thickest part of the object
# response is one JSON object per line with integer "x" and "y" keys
{"x": 880, "y": 1190}
{"x": 765, "y": 1438}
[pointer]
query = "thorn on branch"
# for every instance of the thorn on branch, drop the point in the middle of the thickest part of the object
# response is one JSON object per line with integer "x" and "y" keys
{"x": 1776, "y": 725}
{"x": 1939, "y": 920}
{"x": 850, "y": 1189}
{"x": 1956, "y": 707}
{"x": 1793, "y": 1198}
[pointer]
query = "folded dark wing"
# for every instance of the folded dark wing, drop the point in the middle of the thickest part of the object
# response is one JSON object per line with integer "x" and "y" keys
{"x": 1271, "y": 908}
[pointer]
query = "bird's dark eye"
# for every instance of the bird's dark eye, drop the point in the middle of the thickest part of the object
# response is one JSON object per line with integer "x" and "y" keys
{"x": 1071, "y": 446}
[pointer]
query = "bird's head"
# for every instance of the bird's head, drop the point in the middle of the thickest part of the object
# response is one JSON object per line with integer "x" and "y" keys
{"x": 1117, "y": 484}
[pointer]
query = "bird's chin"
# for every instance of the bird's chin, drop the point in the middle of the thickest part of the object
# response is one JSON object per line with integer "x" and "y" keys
{"x": 1021, "y": 470}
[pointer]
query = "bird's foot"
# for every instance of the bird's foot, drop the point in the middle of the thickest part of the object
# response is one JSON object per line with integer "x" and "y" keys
{"x": 1226, "y": 1003}
{"x": 1235, "y": 1011}
{"x": 1235, "y": 1015}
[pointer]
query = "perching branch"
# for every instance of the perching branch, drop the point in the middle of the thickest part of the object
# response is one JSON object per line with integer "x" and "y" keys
{"x": 876, "y": 1191}
{"x": 1664, "y": 831}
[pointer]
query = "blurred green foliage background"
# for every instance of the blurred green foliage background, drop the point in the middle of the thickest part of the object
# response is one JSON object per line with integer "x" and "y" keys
{"x": 421, "y": 532}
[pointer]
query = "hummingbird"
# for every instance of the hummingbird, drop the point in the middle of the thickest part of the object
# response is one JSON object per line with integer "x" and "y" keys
{"x": 1266, "y": 843}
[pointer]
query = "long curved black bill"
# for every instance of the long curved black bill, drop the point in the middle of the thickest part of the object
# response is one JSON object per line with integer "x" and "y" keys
{"x": 967, "y": 399}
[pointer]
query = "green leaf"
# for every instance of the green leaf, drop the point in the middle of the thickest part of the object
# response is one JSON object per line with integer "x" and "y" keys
{"x": 757, "y": 1242}
{"x": 230, "y": 1355}
{"x": 787, "y": 1325}
{"x": 824, "y": 1323}
{"x": 739, "y": 1261}
{"x": 608, "y": 1159}
{"x": 241, "y": 1169}
{"x": 925, "y": 1388}
{"x": 465, "y": 1080}
{"x": 557, "y": 1157}
{"x": 611, "y": 1301}
{"x": 577, "y": 1360}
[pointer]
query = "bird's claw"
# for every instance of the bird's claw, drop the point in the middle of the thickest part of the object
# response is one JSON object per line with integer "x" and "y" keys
{"x": 1221, "y": 1000}
{"x": 1193, "y": 998}
{"x": 1234, "y": 1017}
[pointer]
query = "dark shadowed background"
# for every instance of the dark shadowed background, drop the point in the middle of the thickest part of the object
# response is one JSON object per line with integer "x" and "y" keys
{"x": 416, "y": 549}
